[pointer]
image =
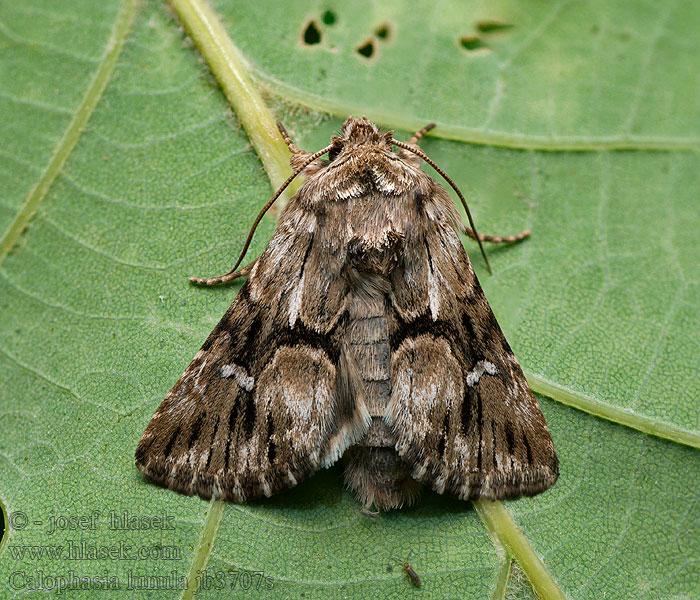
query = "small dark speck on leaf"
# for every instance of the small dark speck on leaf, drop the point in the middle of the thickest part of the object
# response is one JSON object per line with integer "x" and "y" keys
{"x": 491, "y": 26}
{"x": 312, "y": 34}
{"x": 366, "y": 49}
{"x": 383, "y": 31}
{"x": 471, "y": 43}
{"x": 328, "y": 17}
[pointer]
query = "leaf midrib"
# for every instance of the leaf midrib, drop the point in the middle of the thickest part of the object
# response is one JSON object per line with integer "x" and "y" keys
{"x": 268, "y": 146}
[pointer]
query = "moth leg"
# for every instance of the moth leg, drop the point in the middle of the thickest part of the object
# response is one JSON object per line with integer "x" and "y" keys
{"x": 288, "y": 139}
{"x": 497, "y": 239}
{"x": 228, "y": 277}
{"x": 409, "y": 156}
{"x": 298, "y": 156}
{"x": 367, "y": 512}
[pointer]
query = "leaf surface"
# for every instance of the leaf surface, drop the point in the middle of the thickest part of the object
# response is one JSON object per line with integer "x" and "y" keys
{"x": 580, "y": 122}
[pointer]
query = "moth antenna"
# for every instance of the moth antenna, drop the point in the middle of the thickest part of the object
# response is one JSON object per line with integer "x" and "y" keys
{"x": 287, "y": 139}
{"x": 398, "y": 560}
{"x": 426, "y": 158}
{"x": 410, "y": 571}
{"x": 265, "y": 208}
{"x": 417, "y": 136}
{"x": 420, "y": 133}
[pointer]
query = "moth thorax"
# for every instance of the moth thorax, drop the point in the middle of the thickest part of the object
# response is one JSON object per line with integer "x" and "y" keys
{"x": 380, "y": 257}
{"x": 360, "y": 130}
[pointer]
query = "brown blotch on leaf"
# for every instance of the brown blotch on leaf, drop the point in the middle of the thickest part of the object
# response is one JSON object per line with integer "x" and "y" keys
{"x": 383, "y": 31}
{"x": 471, "y": 43}
{"x": 312, "y": 34}
{"x": 366, "y": 50}
{"x": 487, "y": 26}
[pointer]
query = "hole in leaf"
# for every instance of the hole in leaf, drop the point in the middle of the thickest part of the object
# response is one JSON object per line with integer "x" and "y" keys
{"x": 366, "y": 49}
{"x": 491, "y": 26}
{"x": 470, "y": 43}
{"x": 312, "y": 34}
{"x": 328, "y": 17}
{"x": 383, "y": 31}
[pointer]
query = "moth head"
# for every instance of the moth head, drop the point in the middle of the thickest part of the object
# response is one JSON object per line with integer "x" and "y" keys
{"x": 359, "y": 132}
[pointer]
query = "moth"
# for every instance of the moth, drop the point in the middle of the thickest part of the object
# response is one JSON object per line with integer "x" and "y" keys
{"x": 361, "y": 332}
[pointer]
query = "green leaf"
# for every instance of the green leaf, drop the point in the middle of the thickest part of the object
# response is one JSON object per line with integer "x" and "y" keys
{"x": 124, "y": 172}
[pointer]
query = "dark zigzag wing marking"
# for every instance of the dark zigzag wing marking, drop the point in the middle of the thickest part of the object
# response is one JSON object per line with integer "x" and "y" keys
{"x": 256, "y": 410}
{"x": 464, "y": 417}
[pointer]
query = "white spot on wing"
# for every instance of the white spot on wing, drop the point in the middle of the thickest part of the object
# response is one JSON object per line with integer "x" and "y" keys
{"x": 295, "y": 302}
{"x": 433, "y": 294}
{"x": 239, "y": 374}
{"x": 483, "y": 366}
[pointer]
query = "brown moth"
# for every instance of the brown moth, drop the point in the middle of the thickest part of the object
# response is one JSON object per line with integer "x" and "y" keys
{"x": 361, "y": 332}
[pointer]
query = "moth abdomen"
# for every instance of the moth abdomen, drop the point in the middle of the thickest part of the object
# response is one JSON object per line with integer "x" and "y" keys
{"x": 379, "y": 477}
{"x": 373, "y": 470}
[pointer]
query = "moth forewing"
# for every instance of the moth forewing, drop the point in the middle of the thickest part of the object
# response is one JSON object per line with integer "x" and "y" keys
{"x": 362, "y": 332}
